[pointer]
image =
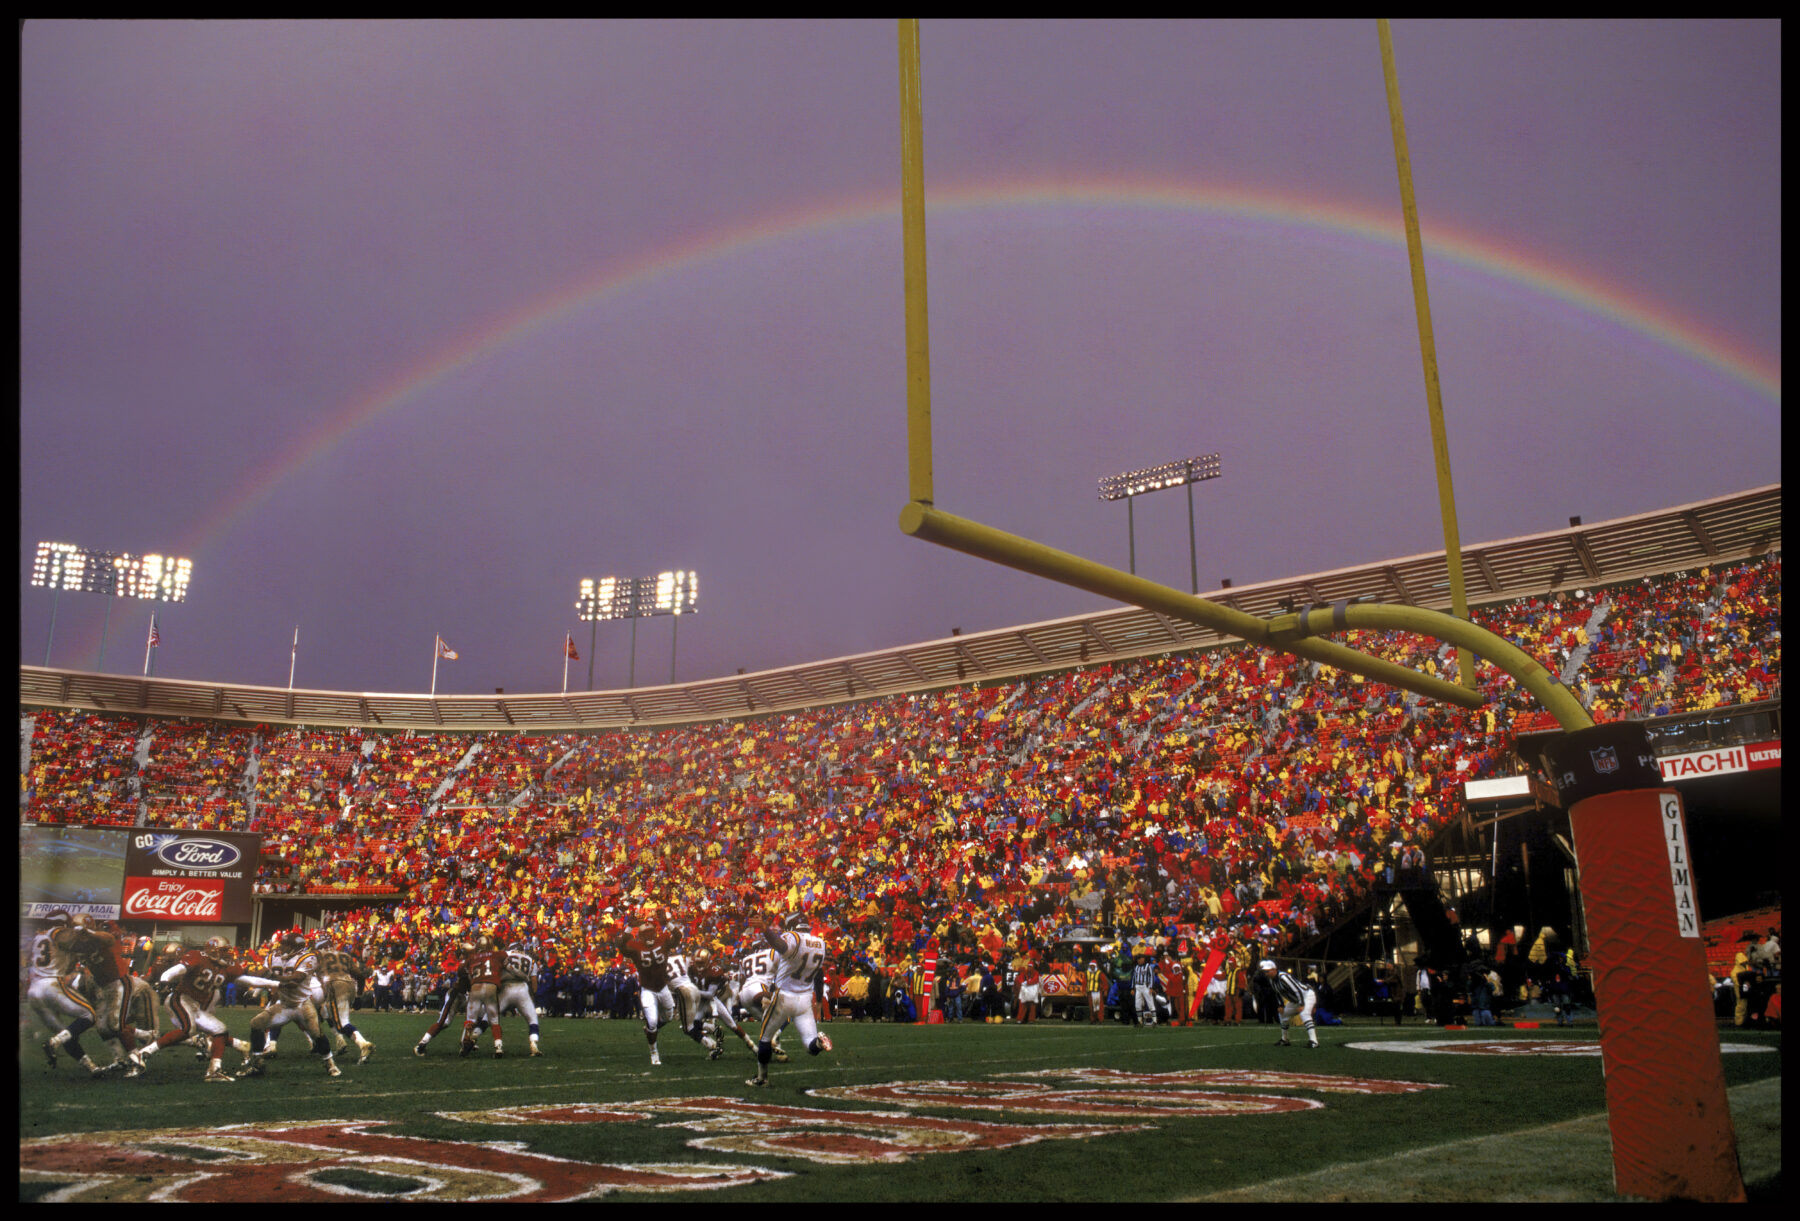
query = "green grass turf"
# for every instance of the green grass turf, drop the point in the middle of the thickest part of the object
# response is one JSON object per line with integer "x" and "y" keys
{"x": 1520, "y": 1099}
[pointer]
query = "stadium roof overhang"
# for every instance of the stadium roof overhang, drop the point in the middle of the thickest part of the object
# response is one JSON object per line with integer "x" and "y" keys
{"x": 1725, "y": 530}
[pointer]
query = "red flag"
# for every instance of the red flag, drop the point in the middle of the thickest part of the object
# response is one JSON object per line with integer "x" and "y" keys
{"x": 569, "y": 648}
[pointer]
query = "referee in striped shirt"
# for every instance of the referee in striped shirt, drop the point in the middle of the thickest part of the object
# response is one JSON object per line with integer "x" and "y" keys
{"x": 1295, "y": 999}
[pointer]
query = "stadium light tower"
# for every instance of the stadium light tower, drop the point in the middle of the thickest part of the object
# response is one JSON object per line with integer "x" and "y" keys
{"x": 674, "y": 593}
{"x": 150, "y": 578}
{"x": 1185, "y": 473}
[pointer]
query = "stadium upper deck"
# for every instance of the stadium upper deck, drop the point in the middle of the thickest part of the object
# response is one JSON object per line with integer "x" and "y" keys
{"x": 1718, "y": 531}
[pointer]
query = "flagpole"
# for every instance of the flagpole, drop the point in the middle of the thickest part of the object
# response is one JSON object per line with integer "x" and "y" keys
{"x": 437, "y": 647}
{"x": 566, "y": 639}
{"x": 294, "y": 657}
{"x": 149, "y": 643}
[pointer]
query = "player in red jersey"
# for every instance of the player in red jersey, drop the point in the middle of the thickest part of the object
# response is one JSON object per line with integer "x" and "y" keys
{"x": 196, "y": 979}
{"x": 486, "y": 961}
{"x": 105, "y": 975}
{"x": 647, "y": 949}
{"x": 456, "y": 988}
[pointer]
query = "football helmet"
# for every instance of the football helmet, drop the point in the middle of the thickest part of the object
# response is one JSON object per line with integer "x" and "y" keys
{"x": 794, "y": 922}
{"x": 173, "y": 949}
{"x": 1266, "y": 965}
{"x": 217, "y": 943}
{"x": 293, "y": 940}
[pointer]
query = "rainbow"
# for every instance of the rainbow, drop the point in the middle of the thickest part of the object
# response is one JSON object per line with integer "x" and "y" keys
{"x": 1586, "y": 293}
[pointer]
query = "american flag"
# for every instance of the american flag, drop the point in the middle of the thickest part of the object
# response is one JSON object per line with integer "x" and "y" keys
{"x": 155, "y": 636}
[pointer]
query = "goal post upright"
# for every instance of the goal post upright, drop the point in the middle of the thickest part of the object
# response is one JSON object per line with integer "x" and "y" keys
{"x": 912, "y": 212}
{"x": 1434, "y": 394}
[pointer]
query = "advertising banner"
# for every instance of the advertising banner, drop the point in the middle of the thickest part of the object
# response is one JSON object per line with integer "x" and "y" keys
{"x": 199, "y": 877}
{"x": 1721, "y": 762}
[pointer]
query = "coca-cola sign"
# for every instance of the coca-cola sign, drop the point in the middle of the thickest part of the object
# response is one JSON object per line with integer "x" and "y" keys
{"x": 202, "y": 876}
{"x": 172, "y": 899}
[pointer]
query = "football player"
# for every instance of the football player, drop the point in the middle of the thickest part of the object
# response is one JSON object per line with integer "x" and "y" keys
{"x": 104, "y": 978}
{"x": 291, "y": 954}
{"x": 1295, "y": 999}
{"x": 53, "y": 998}
{"x": 195, "y": 980}
{"x": 756, "y": 989}
{"x": 690, "y": 1014}
{"x": 518, "y": 975}
{"x": 294, "y": 967}
{"x": 715, "y": 988}
{"x": 799, "y": 957}
{"x": 647, "y": 950}
{"x": 341, "y": 975}
{"x": 485, "y": 962}
{"x": 456, "y": 991}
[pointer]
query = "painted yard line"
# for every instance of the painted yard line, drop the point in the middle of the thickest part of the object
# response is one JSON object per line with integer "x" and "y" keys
{"x": 1574, "y": 1157}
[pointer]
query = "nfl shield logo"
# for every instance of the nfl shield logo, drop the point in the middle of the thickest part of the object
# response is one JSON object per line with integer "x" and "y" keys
{"x": 1606, "y": 760}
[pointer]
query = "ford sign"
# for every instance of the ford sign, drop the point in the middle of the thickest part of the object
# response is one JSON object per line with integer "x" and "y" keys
{"x": 198, "y": 854}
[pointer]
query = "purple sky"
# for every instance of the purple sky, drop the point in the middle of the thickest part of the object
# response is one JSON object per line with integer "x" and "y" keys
{"x": 233, "y": 233}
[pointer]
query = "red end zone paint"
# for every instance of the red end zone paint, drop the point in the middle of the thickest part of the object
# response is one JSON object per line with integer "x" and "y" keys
{"x": 291, "y": 1162}
{"x": 318, "y": 1160}
{"x": 817, "y": 1134}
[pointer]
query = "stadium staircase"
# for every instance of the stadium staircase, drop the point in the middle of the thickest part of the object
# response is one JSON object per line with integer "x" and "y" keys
{"x": 1579, "y": 657}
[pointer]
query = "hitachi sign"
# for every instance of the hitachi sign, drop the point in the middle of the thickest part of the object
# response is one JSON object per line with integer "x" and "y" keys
{"x": 1752, "y": 757}
{"x": 1704, "y": 763}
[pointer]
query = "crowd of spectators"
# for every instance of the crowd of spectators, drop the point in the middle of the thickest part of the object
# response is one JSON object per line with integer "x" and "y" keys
{"x": 1164, "y": 799}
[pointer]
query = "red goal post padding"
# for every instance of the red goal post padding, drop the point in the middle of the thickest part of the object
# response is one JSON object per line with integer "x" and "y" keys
{"x": 1667, "y": 1109}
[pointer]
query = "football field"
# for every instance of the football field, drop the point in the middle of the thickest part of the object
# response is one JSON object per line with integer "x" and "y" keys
{"x": 967, "y": 1113}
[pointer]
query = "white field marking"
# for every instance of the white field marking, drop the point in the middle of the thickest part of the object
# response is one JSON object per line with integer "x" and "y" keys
{"x": 1307, "y": 1185}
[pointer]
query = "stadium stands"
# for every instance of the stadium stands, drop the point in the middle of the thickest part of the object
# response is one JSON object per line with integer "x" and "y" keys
{"x": 1174, "y": 794}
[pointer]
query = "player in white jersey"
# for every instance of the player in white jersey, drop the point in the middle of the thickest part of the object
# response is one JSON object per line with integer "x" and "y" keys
{"x": 517, "y": 976}
{"x": 53, "y": 999}
{"x": 689, "y": 1013}
{"x": 1296, "y": 1000}
{"x": 340, "y": 975}
{"x": 756, "y": 988}
{"x": 293, "y": 1001}
{"x": 799, "y": 957}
